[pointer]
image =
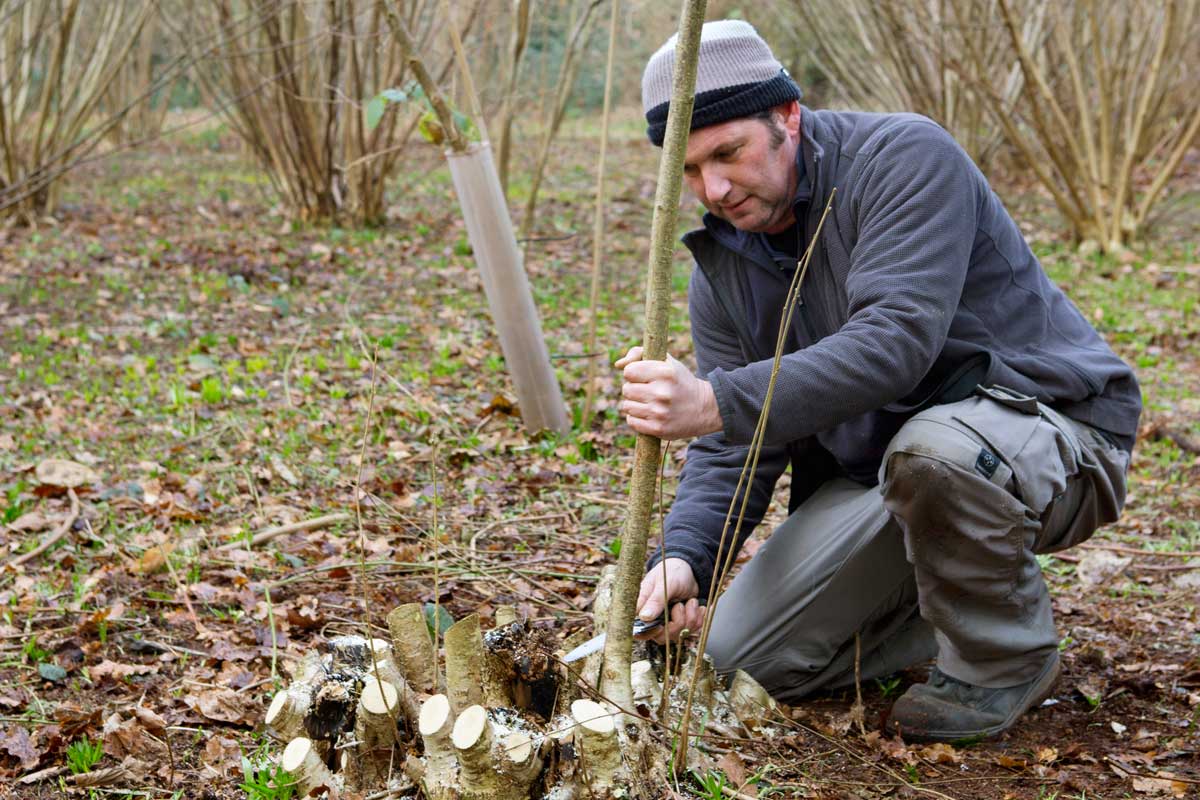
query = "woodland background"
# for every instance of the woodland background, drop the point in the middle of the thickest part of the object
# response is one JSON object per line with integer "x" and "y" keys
{"x": 237, "y": 292}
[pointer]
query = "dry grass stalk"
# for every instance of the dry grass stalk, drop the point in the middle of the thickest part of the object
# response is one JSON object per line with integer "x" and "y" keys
{"x": 585, "y": 419}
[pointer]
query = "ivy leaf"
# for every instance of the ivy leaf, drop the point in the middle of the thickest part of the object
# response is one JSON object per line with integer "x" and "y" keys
{"x": 395, "y": 95}
{"x": 374, "y": 110}
{"x": 51, "y": 672}
{"x": 464, "y": 124}
{"x": 443, "y": 618}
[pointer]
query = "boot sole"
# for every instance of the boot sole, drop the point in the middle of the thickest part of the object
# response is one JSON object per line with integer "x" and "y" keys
{"x": 1039, "y": 690}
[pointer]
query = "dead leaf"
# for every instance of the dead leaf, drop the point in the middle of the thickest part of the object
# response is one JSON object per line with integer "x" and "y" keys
{"x": 1047, "y": 755}
{"x": 125, "y": 737}
{"x": 305, "y": 617}
{"x": 1011, "y": 763}
{"x": 64, "y": 473}
{"x": 12, "y": 697}
{"x": 225, "y": 705}
{"x": 283, "y": 471}
{"x": 154, "y": 559}
{"x": 76, "y": 721}
{"x": 151, "y": 721}
{"x": 111, "y": 669}
{"x": 940, "y": 753}
{"x": 1160, "y": 786}
{"x": 33, "y": 521}
{"x": 130, "y": 771}
{"x": 733, "y": 767}
{"x": 17, "y": 743}
{"x": 222, "y": 755}
{"x": 1097, "y": 566}
{"x": 499, "y": 405}
{"x": 893, "y": 748}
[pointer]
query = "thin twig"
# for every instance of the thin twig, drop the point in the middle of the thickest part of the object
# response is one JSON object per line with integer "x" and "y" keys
{"x": 747, "y": 474}
{"x": 53, "y": 538}
{"x": 292, "y": 527}
{"x": 1137, "y": 551}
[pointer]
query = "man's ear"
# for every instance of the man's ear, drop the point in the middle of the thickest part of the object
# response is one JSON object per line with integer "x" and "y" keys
{"x": 790, "y": 113}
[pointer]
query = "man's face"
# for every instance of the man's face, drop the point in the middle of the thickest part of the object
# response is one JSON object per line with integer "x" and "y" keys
{"x": 743, "y": 173}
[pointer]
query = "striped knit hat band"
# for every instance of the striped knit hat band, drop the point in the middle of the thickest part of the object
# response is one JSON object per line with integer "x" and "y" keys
{"x": 737, "y": 76}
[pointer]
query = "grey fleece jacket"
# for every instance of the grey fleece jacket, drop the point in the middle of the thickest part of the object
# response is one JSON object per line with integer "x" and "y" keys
{"x": 920, "y": 287}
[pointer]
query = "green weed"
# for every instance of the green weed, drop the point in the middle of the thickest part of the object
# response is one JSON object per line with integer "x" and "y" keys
{"x": 263, "y": 780}
{"x": 83, "y": 754}
{"x": 713, "y": 784}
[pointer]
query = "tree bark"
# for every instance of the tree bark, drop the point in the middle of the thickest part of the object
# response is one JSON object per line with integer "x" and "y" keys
{"x": 615, "y": 679}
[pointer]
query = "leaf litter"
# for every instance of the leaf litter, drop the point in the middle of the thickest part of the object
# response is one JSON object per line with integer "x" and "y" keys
{"x": 218, "y": 388}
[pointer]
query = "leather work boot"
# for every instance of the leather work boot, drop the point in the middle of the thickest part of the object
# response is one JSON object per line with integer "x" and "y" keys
{"x": 945, "y": 709}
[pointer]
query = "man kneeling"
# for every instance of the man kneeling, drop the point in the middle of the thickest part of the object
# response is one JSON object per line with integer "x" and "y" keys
{"x": 946, "y": 411}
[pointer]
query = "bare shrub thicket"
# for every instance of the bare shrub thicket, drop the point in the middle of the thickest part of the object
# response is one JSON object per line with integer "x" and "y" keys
{"x": 900, "y": 55}
{"x": 296, "y": 78}
{"x": 57, "y": 60}
{"x": 137, "y": 95}
{"x": 1108, "y": 108}
{"x": 1097, "y": 98}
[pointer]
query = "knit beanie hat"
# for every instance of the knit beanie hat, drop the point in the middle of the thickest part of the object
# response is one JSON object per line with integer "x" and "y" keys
{"x": 736, "y": 76}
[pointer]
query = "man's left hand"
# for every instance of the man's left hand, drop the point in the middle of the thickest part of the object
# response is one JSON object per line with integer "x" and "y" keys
{"x": 664, "y": 399}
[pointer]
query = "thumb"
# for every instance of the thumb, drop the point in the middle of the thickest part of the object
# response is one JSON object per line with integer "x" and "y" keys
{"x": 634, "y": 354}
{"x": 650, "y": 600}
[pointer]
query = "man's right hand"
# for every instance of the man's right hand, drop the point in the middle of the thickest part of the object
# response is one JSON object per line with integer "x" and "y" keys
{"x": 682, "y": 590}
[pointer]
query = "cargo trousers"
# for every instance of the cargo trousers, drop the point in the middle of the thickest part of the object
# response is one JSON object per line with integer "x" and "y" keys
{"x": 938, "y": 560}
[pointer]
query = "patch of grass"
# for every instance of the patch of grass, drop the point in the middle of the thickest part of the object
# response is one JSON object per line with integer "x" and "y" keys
{"x": 83, "y": 754}
{"x": 264, "y": 780}
{"x": 712, "y": 784}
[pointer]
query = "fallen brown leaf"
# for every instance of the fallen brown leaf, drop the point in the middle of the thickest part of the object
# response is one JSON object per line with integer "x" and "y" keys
{"x": 151, "y": 721}
{"x": 940, "y": 753}
{"x": 154, "y": 559}
{"x": 225, "y": 705}
{"x": 64, "y": 473}
{"x": 111, "y": 669}
{"x": 222, "y": 755}
{"x": 1047, "y": 755}
{"x": 733, "y": 767}
{"x": 17, "y": 743}
{"x": 1160, "y": 786}
{"x": 34, "y": 521}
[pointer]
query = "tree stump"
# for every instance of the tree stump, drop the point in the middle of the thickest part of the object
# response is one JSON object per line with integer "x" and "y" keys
{"x": 528, "y": 725}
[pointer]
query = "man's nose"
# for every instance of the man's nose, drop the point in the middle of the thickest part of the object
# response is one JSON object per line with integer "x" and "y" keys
{"x": 716, "y": 185}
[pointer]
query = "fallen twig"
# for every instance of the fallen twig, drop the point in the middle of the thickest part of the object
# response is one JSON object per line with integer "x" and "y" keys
{"x": 41, "y": 775}
{"x": 1137, "y": 551}
{"x": 53, "y": 538}
{"x": 271, "y": 533}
